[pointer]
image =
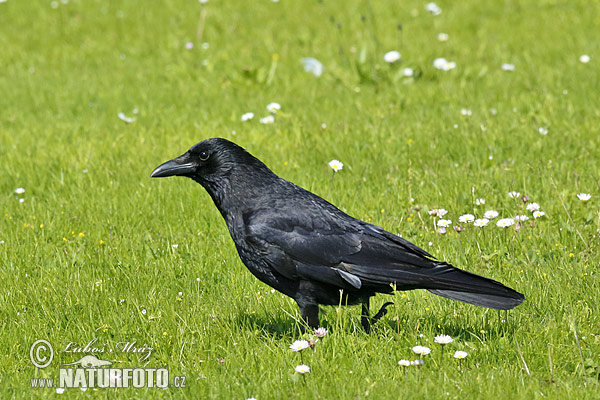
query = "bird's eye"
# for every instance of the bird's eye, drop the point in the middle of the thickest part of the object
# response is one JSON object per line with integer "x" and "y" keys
{"x": 204, "y": 155}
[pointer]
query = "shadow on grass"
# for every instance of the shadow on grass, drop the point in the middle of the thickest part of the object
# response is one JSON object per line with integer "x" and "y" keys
{"x": 272, "y": 325}
{"x": 492, "y": 324}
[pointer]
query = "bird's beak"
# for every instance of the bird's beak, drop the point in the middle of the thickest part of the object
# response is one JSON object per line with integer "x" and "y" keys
{"x": 180, "y": 166}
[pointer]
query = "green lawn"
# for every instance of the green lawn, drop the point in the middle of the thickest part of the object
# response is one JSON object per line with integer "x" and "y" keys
{"x": 89, "y": 252}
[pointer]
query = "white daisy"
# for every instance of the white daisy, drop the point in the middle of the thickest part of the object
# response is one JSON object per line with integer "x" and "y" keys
{"x": 125, "y": 118}
{"x": 336, "y": 165}
{"x": 392, "y": 56}
{"x": 299, "y": 345}
{"x": 481, "y": 222}
{"x": 584, "y": 59}
{"x": 513, "y": 194}
{"x": 408, "y": 72}
{"x": 479, "y": 202}
{"x": 273, "y": 107}
{"x": 543, "y": 130}
{"x": 321, "y": 332}
{"x": 269, "y": 119}
{"x": 421, "y": 350}
{"x": 460, "y": 354}
{"x": 491, "y": 214}
{"x": 19, "y": 190}
{"x": 404, "y": 363}
{"x": 443, "y": 37}
{"x": 247, "y": 116}
{"x": 466, "y": 218}
{"x": 466, "y": 112}
{"x": 417, "y": 362}
{"x": 302, "y": 369}
{"x": 443, "y": 339}
{"x": 438, "y": 212}
{"x": 533, "y": 207}
{"x": 443, "y": 64}
{"x": 505, "y": 222}
{"x": 584, "y": 196}
{"x": 538, "y": 214}
{"x": 521, "y": 218}
{"x": 313, "y": 66}
{"x": 508, "y": 67}
{"x": 433, "y": 8}
{"x": 444, "y": 223}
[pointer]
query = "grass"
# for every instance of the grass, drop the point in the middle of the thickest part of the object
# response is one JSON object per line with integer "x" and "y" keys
{"x": 90, "y": 248}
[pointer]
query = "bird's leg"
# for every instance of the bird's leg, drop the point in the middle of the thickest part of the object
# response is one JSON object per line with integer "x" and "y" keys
{"x": 366, "y": 321}
{"x": 310, "y": 315}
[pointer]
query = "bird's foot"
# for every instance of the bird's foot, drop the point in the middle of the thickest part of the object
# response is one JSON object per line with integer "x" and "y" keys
{"x": 367, "y": 321}
{"x": 382, "y": 311}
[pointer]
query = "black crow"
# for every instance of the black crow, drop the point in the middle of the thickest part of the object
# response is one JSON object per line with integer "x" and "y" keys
{"x": 306, "y": 248}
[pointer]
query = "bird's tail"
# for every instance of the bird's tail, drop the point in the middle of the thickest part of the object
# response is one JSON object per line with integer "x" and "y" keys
{"x": 480, "y": 291}
{"x": 442, "y": 279}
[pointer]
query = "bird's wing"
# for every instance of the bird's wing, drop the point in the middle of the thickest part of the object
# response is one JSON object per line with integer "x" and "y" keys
{"x": 304, "y": 246}
{"x": 339, "y": 250}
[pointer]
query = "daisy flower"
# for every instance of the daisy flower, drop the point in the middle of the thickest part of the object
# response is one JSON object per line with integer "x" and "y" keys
{"x": 247, "y": 116}
{"x": 505, "y": 222}
{"x": 21, "y": 191}
{"x": 302, "y": 369}
{"x": 444, "y": 223}
{"x": 521, "y": 218}
{"x": 433, "y": 8}
{"x": 533, "y": 207}
{"x": 442, "y": 64}
{"x": 466, "y": 218}
{"x": 269, "y": 119}
{"x": 189, "y": 45}
{"x": 581, "y": 196}
{"x": 417, "y": 362}
{"x": 481, "y": 222}
{"x": 479, "y": 202}
{"x": 538, "y": 214}
{"x": 491, "y": 214}
{"x": 466, "y": 112}
{"x": 408, "y": 72}
{"x": 438, "y": 212}
{"x": 421, "y": 350}
{"x": 460, "y": 354}
{"x": 313, "y": 66}
{"x": 443, "y": 37}
{"x": 273, "y": 107}
{"x": 299, "y": 345}
{"x": 392, "y": 56}
{"x": 125, "y": 118}
{"x": 543, "y": 130}
{"x": 443, "y": 339}
{"x": 584, "y": 59}
{"x": 321, "y": 332}
{"x": 508, "y": 67}
{"x": 336, "y": 165}
{"x": 513, "y": 194}
{"x": 404, "y": 363}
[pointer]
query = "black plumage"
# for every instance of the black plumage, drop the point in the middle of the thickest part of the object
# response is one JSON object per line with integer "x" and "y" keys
{"x": 308, "y": 249}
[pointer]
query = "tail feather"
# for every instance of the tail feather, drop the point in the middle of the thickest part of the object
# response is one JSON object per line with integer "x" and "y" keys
{"x": 443, "y": 280}
{"x": 483, "y": 300}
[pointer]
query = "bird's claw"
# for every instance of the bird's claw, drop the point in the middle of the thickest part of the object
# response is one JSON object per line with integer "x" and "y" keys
{"x": 382, "y": 311}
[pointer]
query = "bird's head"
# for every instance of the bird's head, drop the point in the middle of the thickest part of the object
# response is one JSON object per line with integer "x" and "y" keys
{"x": 210, "y": 163}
